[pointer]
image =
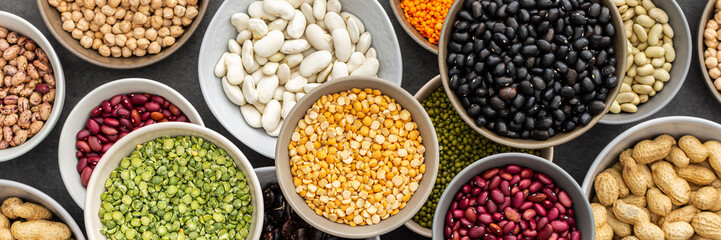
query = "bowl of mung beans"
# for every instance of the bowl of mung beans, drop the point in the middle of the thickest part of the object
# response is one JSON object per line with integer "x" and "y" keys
{"x": 422, "y": 20}
{"x": 659, "y": 57}
{"x": 459, "y": 146}
{"x": 707, "y": 45}
{"x": 359, "y": 157}
{"x": 174, "y": 180}
{"x": 532, "y": 73}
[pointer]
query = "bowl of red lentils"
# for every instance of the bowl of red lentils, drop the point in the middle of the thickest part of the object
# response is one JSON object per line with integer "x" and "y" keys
{"x": 422, "y": 20}
{"x": 357, "y": 158}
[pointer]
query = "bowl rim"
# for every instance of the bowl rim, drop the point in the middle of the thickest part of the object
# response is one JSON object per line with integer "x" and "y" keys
{"x": 496, "y": 160}
{"x": 560, "y": 137}
{"x": 633, "y": 117}
{"x": 708, "y": 9}
{"x": 216, "y": 138}
{"x": 590, "y": 176}
{"x": 255, "y": 144}
{"x": 64, "y": 215}
{"x": 342, "y": 230}
{"x": 71, "y": 179}
{"x": 427, "y": 89}
{"x": 109, "y": 62}
{"x": 11, "y": 153}
{"x": 410, "y": 29}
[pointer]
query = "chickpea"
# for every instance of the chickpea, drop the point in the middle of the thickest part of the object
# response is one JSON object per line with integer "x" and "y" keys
{"x": 116, "y": 29}
{"x": 176, "y": 21}
{"x": 109, "y": 39}
{"x": 77, "y": 15}
{"x": 105, "y": 28}
{"x": 120, "y": 14}
{"x": 83, "y": 25}
{"x": 116, "y": 52}
{"x": 156, "y": 21}
{"x": 66, "y": 16}
{"x": 90, "y": 34}
{"x": 97, "y": 43}
{"x": 104, "y": 51}
{"x": 120, "y": 40}
{"x": 89, "y": 4}
{"x": 88, "y": 14}
{"x": 711, "y": 62}
{"x": 139, "y": 18}
{"x": 77, "y": 34}
{"x": 168, "y": 13}
{"x": 75, "y": 6}
{"x": 132, "y": 43}
{"x": 714, "y": 73}
{"x": 192, "y": 2}
{"x": 99, "y": 35}
{"x": 54, "y": 3}
{"x": 191, "y": 12}
{"x": 62, "y": 7}
{"x": 144, "y": 2}
{"x": 176, "y": 31}
{"x": 145, "y": 9}
{"x": 124, "y": 3}
{"x": 168, "y": 41}
{"x": 179, "y": 11}
{"x": 717, "y": 83}
{"x": 134, "y": 3}
{"x": 164, "y": 31}
{"x": 94, "y": 27}
{"x": 151, "y": 34}
{"x": 147, "y": 24}
{"x": 182, "y": 2}
{"x": 138, "y": 32}
{"x": 154, "y": 48}
{"x": 143, "y": 43}
{"x": 68, "y": 25}
{"x": 86, "y": 42}
{"x": 713, "y": 25}
{"x": 171, "y": 3}
{"x": 100, "y": 3}
{"x": 99, "y": 19}
{"x": 167, "y": 23}
{"x": 126, "y": 52}
{"x": 186, "y": 21}
{"x": 108, "y": 10}
{"x": 125, "y": 26}
{"x": 139, "y": 52}
{"x": 156, "y": 4}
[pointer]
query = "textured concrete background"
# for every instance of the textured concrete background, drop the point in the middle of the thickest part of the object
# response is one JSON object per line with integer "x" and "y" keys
{"x": 39, "y": 169}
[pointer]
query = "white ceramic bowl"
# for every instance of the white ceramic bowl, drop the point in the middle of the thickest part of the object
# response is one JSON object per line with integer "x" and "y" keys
{"x": 77, "y": 118}
{"x": 581, "y": 207}
{"x": 17, "y": 24}
{"x": 31, "y": 194}
{"x": 682, "y": 44}
{"x": 266, "y": 175}
{"x": 125, "y": 146}
{"x": 215, "y": 43}
{"x": 675, "y": 126}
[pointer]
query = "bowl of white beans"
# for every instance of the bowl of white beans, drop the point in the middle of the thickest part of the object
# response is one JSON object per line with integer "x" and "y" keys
{"x": 258, "y": 58}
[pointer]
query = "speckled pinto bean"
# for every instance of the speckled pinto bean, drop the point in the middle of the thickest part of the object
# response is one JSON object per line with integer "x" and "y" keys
{"x": 113, "y": 119}
{"x": 27, "y": 87}
{"x": 511, "y": 202}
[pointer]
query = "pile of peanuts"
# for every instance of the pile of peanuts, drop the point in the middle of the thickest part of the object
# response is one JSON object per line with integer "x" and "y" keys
{"x": 123, "y": 28}
{"x": 660, "y": 189}
{"x": 27, "y": 88}
{"x": 286, "y": 48}
{"x": 712, "y": 54}
{"x": 650, "y": 53}
{"x": 29, "y": 221}
{"x": 356, "y": 157}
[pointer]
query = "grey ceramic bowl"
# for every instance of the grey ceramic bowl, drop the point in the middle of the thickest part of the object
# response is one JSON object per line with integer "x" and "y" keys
{"x": 30, "y": 194}
{"x": 215, "y": 43}
{"x": 584, "y": 216}
{"x": 682, "y": 44}
{"x": 619, "y": 43}
{"x": 675, "y": 126}
{"x": 708, "y": 13}
{"x": 430, "y": 142}
{"x": 267, "y": 176}
{"x": 423, "y": 93}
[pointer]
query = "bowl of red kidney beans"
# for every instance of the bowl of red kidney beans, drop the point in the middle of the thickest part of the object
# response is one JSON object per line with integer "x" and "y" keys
{"x": 513, "y": 196}
{"x": 532, "y": 73}
{"x": 107, "y": 114}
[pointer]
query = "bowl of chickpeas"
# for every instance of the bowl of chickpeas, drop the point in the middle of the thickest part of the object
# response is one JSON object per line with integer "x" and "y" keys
{"x": 708, "y": 47}
{"x": 122, "y": 34}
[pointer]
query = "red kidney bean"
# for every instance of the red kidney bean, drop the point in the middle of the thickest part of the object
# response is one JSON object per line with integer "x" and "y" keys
{"x": 471, "y": 214}
{"x": 495, "y": 182}
{"x": 106, "y": 147}
{"x": 182, "y": 118}
{"x": 509, "y": 227}
{"x": 96, "y": 111}
{"x": 506, "y": 176}
{"x": 530, "y": 233}
{"x": 82, "y": 134}
{"x": 495, "y": 229}
{"x": 506, "y": 203}
{"x": 108, "y": 130}
{"x": 529, "y": 214}
{"x": 491, "y": 206}
{"x": 535, "y": 186}
{"x": 138, "y": 99}
{"x": 564, "y": 199}
{"x": 111, "y": 122}
{"x": 83, "y": 146}
{"x": 93, "y": 160}
{"x": 466, "y": 188}
{"x": 497, "y": 196}
{"x": 158, "y": 99}
{"x": 552, "y": 214}
{"x": 526, "y": 205}
{"x": 135, "y": 117}
{"x": 166, "y": 113}
{"x": 561, "y": 209}
{"x": 152, "y": 106}
{"x": 559, "y": 226}
{"x": 79, "y": 154}
{"x": 106, "y": 106}
{"x": 463, "y": 232}
{"x": 551, "y": 195}
{"x": 518, "y": 200}
{"x": 82, "y": 163}
{"x": 93, "y": 126}
{"x": 524, "y": 184}
{"x": 513, "y": 169}
{"x": 497, "y": 217}
{"x": 174, "y": 110}
{"x": 476, "y": 232}
{"x": 546, "y": 232}
{"x": 547, "y": 204}
{"x": 482, "y": 198}
{"x": 94, "y": 143}
{"x": 515, "y": 180}
{"x": 85, "y": 176}
{"x": 491, "y": 173}
{"x": 505, "y": 187}
{"x": 116, "y": 100}
{"x": 512, "y": 214}
{"x": 463, "y": 204}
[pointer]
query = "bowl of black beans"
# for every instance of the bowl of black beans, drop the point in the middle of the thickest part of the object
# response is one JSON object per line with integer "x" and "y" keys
{"x": 280, "y": 221}
{"x": 532, "y": 73}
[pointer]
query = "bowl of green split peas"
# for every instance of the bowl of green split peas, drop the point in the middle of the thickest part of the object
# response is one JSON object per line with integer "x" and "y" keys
{"x": 173, "y": 181}
{"x": 459, "y": 146}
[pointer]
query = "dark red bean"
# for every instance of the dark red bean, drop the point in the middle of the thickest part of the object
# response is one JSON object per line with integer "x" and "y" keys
{"x": 491, "y": 207}
{"x": 497, "y": 216}
{"x": 158, "y": 99}
{"x": 116, "y": 100}
{"x": 454, "y": 205}
{"x": 85, "y": 176}
{"x": 496, "y": 196}
{"x": 458, "y": 213}
{"x": 512, "y": 214}
{"x": 79, "y": 154}
{"x": 535, "y": 186}
{"x": 115, "y": 113}
{"x": 82, "y": 134}
{"x": 102, "y": 138}
{"x": 182, "y": 118}
{"x": 529, "y": 214}
{"x": 463, "y": 204}
{"x": 513, "y": 169}
{"x": 495, "y": 182}
{"x": 476, "y": 191}
{"x": 94, "y": 143}
{"x": 83, "y": 146}
{"x": 458, "y": 196}
{"x": 495, "y": 229}
{"x": 174, "y": 110}
{"x": 536, "y": 197}
{"x": 135, "y": 117}
{"x": 505, "y": 187}
{"x": 547, "y": 204}
{"x": 149, "y": 122}
{"x": 108, "y": 130}
{"x": 166, "y": 104}
{"x": 122, "y": 112}
{"x": 447, "y": 231}
{"x": 543, "y": 178}
{"x": 106, "y": 147}
{"x": 471, "y": 214}
{"x": 99, "y": 120}
{"x": 564, "y": 199}
{"x": 93, "y": 160}
{"x": 491, "y": 173}
{"x": 530, "y": 233}
{"x": 106, "y": 106}
{"x": 145, "y": 116}
{"x": 509, "y": 227}
{"x": 561, "y": 209}
{"x": 476, "y": 232}
{"x": 545, "y": 232}
{"x": 93, "y": 126}
{"x": 166, "y": 113}
{"x": 526, "y": 173}
{"x": 559, "y": 226}
{"x": 466, "y": 188}
{"x": 515, "y": 180}
{"x": 539, "y": 209}
{"x": 105, "y": 115}
{"x": 96, "y": 111}
{"x": 111, "y": 122}
{"x": 552, "y": 214}
{"x": 506, "y": 176}
{"x": 551, "y": 195}
{"x": 152, "y": 106}
{"x": 82, "y": 163}
{"x": 465, "y": 223}
{"x": 524, "y": 184}
{"x": 526, "y": 205}
{"x": 576, "y": 235}
{"x": 518, "y": 200}
{"x": 140, "y": 109}
{"x": 138, "y": 99}
{"x": 122, "y": 135}
{"x": 482, "y": 198}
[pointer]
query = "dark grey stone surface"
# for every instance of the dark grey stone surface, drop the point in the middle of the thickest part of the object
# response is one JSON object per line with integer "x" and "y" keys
{"x": 39, "y": 169}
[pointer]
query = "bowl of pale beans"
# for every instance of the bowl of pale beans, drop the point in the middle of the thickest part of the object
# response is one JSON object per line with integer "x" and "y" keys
{"x": 122, "y": 34}
{"x": 659, "y": 56}
{"x": 708, "y": 47}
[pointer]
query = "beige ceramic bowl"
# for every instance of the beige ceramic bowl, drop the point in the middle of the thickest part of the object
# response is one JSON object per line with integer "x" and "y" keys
{"x": 707, "y": 14}
{"x": 285, "y": 178}
{"x": 126, "y": 145}
{"x": 51, "y": 16}
{"x": 423, "y": 93}
{"x": 410, "y": 29}
{"x": 619, "y": 42}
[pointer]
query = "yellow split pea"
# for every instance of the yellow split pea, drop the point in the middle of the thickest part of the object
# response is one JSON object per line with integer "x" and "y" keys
{"x": 356, "y": 157}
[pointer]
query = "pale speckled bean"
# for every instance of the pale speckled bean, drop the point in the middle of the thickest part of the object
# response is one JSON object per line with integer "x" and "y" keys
{"x": 645, "y": 80}
{"x": 645, "y": 21}
{"x": 661, "y": 74}
{"x": 615, "y": 107}
{"x": 658, "y": 15}
{"x": 668, "y": 30}
{"x": 625, "y": 97}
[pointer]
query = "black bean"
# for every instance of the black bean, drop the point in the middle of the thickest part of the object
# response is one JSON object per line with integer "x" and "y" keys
{"x": 580, "y": 44}
{"x": 577, "y": 19}
{"x": 555, "y": 102}
{"x": 474, "y": 110}
{"x": 529, "y": 4}
{"x": 477, "y": 9}
{"x": 596, "y": 107}
{"x": 529, "y": 50}
{"x": 507, "y": 93}
{"x": 540, "y": 134}
{"x": 455, "y": 47}
{"x": 465, "y": 15}
{"x": 497, "y": 103}
{"x": 585, "y": 119}
{"x": 460, "y": 26}
{"x": 518, "y": 101}
{"x": 455, "y": 82}
{"x": 544, "y": 4}
{"x": 488, "y": 112}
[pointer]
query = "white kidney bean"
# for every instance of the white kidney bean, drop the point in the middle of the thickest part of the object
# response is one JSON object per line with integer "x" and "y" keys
{"x": 333, "y": 21}
{"x": 340, "y": 69}
{"x": 266, "y": 87}
{"x": 315, "y": 62}
{"x": 279, "y": 24}
{"x": 319, "y": 9}
{"x": 233, "y": 46}
{"x": 294, "y": 59}
{"x": 296, "y": 26}
{"x": 271, "y": 115}
{"x": 356, "y": 59}
{"x": 270, "y": 68}
{"x": 220, "y": 70}
{"x": 234, "y": 94}
{"x": 269, "y": 45}
{"x": 323, "y": 75}
{"x": 347, "y": 15}
{"x": 259, "y": 106}
{"x": 249, "y": 92}
{"x": 333, "y": 6}
{"x": 242, "y": 36}
{"x": 342, "y": 44}
{"x": 278, "y": 93}
{"x": 251, "y": 115}
{"x": 255, "y": 10}
{"x": 353, "y": 31}
{"x": 371, "y": 53}
{"x": 240, "y": 21}
{"x": 296, "y": 84}
{"x": 276, "y": 131}
{"x": 318, "y": 38}
{"x": 307, "y": 11}
{"x": 294, "y": 46}
{"x": 295, "y": 3}
{"x": 310, "y": 86}
{"x": 279, "y": 8}
{"x": 364, "y": 42}
{"x": 369, "y": 68}
{"x": 257, "y": 27}
{"x": 288, "y": 102}
{"x": 283, "y": 73}
{"x": 235, "y": 71}
{"x": 299, "y": 95}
